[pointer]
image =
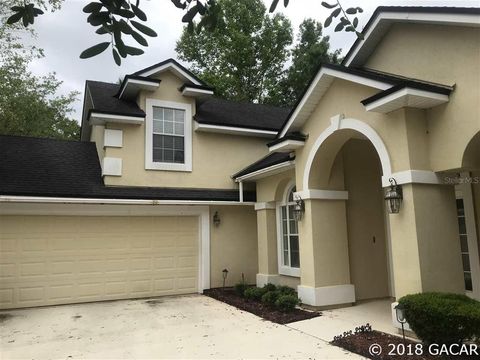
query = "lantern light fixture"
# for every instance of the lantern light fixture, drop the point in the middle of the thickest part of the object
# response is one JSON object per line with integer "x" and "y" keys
{"x": 298, "y": 209}
{"x": 394, "y": 197}
{"x": 400, "y": 313}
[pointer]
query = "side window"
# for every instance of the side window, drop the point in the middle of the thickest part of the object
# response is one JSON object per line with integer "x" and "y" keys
{"x": 288, "y": 242}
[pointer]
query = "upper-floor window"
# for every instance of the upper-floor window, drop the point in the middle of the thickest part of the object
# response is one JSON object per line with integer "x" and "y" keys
{"x": 168, "y": 136}
{"x": 289, "y": 254}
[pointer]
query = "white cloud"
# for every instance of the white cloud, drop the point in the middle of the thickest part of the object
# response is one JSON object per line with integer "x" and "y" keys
{"x": 65, "y": 34}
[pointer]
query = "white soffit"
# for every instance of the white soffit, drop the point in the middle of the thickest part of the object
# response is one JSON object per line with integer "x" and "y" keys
{"x": 133, "y": 86}
{"x": 97, "y": 118}
{"x": 268, "y": 171}
{"x": 231, "y": 130}
{"x": 195, "y": 92}
{"x": 407, "y": 97}
{"x": 384, "y": 20}
{"x": 318, "y": 88}
{"x": 287, "y": 145}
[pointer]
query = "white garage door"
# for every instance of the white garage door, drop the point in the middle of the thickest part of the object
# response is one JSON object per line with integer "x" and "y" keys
{"x": 47, "y": 260}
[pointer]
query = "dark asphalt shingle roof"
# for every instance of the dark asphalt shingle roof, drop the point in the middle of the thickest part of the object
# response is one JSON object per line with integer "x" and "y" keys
{"x": 105, "y": 100}
{"x": 290, "y": 136}
{"x": 269, "y": 160}
{"x": 58, "y": 168}
{"x": 215, "y": 111}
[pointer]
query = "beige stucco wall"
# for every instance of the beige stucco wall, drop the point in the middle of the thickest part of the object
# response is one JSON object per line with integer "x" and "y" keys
{"x": 442, "y": 54}
{"x": 365, "y": 220}
{"x": 233, "y": 245}
{"x": 97, "y": 136}
{"x": 215, "y": 157}
{"x": 402, "y": 131}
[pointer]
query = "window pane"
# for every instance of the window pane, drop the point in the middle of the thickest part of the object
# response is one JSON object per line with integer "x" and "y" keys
{"x": 285, "y": 258}
{"x": 179, "y": 128}
{"x": 293, "y": 227}
{"x": 168, "y": 127}
{"x": 468, "y": 281}
{"x": 466, "y": 262}
{"x": 290, "y": 212}
{"x": 158, "y": 126}
{"x": 168, "y": 155}
{"x": 460, "y": 209}
{"x": 157, "y": 155}
{"x": 158, "y": 113}
{"x": 157, "y": 141}
{"x": 168, "y": 142}
{"x": 464, "y": 243}
{"x": 290, "y": 196}
{"x": 180, "y": 116}
{"x": 178, "y": 143}
{"x": 462, "y": 229}
{"x": 294, "y": 243}
{"x": 284, "y": 212}
{"x": 178, "y": 157}
{"x": 295, "y": 259}
{"x": 168, "y": 114}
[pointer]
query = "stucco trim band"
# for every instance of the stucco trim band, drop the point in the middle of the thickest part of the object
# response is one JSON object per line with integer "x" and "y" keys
{"x": 413, "y": 177}
{"x": 265, "y": 205}
{"x": 322, "y": 194}
{"x": 327, "y": 295}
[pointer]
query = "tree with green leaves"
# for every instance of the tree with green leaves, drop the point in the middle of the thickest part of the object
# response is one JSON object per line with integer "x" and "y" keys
{"x": 244, "y": 57}
{"x": 311, "y": 50}
{"x": 29, "y": 104}
{"x": 122, "y": 18}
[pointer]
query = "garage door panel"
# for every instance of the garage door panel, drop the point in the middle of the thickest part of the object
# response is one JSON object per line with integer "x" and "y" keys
{"x": 67, "y": 259}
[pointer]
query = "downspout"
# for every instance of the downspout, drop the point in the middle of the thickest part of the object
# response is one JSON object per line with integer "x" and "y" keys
{"x": 240, "y": 190}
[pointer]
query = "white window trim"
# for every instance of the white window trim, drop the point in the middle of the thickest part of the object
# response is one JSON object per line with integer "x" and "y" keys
{"x": 282, "y": 269}
{"x": 149, "y": 163}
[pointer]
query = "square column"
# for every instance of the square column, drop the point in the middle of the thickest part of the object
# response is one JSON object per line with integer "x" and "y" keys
{"x": 325, "y": 269}
{"x": 267, "y": 243}
{"x": 425, "y": 241}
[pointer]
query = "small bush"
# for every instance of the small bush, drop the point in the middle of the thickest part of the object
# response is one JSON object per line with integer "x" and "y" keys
{"x": 240, "y": 288}
{"x": 254, "y": 293}
{"x": 286, "y": 290}
{"x": 287, "y": 302}
{"x": 270, "y": 297}
{"x": 442, "y": 318}
{"x": 269, "y": 287}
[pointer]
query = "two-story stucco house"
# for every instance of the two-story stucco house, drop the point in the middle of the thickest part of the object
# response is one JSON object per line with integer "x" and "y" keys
{"x": 170, "y": 185}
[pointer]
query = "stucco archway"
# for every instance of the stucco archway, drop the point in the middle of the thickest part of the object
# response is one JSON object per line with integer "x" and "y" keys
{"x": 347, "y": 127}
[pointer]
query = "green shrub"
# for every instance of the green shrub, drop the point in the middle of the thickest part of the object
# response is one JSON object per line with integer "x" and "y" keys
{"x": 270, "y": 297}
{"x": 442, "y": 318}
{"x": 287, "y": 302}
{"x": 254, "y": 293}
{"x": 240, "y": 288}
{"x": 286, "y": 290}
{"x": 269, "y": 287}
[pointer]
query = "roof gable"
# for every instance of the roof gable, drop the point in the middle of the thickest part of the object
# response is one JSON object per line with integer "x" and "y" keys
{"x": 385, "y": 16}
{"x": 173, "y": 66}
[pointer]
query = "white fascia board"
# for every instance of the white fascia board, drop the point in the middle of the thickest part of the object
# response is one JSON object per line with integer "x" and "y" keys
{"x": 323, "y": 74}
{"x": 173, "y": 67}
{"x": 141, "y": 84}
{"x": 100, "y": 119}
{"x": 60, "y": 200}
{"x": 433, "y": 18}
{"x": 403, "y": 95}
{"x": 234, "y": 130}
{"x": 268, "y": 171}
{"x": 194, "y": 92}
{"x": 286, "y": 146}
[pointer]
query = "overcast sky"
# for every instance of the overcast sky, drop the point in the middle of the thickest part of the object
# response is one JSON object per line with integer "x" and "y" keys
{"x": 65, "y": 34}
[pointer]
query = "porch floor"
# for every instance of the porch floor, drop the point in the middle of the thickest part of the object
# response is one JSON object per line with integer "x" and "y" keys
{"x": 334, "y": 322}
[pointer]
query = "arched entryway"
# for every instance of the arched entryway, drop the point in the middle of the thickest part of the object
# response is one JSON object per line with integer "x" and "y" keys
{"x": 346, "y": 219}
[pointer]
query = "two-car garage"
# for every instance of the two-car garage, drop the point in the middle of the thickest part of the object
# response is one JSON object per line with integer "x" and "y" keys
{"x": 46, "y": 260}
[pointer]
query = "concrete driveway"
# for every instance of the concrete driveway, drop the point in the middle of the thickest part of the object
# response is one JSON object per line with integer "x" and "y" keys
{"x": 192, "y": 326}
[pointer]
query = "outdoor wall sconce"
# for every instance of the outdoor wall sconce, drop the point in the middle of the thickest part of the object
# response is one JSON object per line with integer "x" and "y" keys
{"x": 298, "y": 209}
{"x": 400, "y": 313}
{"x": 394, "y": 197}
{"x": 216, "y": 219}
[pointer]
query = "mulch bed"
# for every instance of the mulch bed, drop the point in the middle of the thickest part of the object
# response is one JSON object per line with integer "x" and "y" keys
{"x": 361, "y": 344}
{"x": 256, "y": 307}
